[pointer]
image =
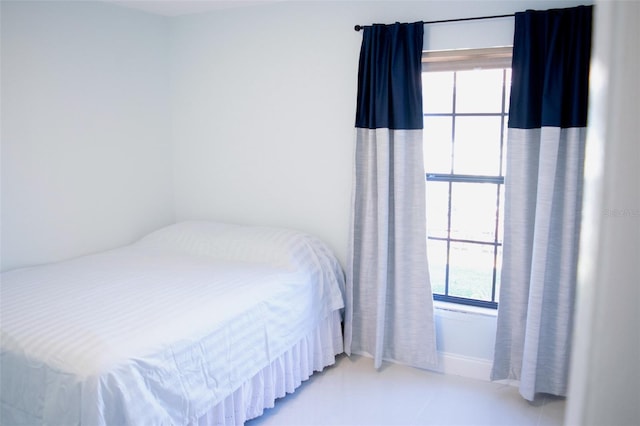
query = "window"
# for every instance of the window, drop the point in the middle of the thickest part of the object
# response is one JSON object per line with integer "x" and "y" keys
{"x": 465, "y": 95}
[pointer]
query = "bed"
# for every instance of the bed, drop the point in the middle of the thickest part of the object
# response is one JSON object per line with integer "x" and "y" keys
{"x": 198, "y": 323}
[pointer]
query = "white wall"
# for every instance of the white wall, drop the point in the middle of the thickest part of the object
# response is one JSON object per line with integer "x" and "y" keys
{"x": 605, "y": 374}
{"x": 264, "y": 107}
{"x": 86, "y": 159}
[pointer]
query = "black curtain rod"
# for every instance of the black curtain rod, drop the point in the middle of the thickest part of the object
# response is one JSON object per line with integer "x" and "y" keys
{"x": 442, "y": 21}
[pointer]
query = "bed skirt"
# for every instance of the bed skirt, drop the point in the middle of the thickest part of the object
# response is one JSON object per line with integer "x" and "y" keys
{"x": 312, "y": 353}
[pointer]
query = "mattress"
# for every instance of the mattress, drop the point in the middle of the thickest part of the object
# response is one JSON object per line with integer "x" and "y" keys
{"x": 163, "y": 330}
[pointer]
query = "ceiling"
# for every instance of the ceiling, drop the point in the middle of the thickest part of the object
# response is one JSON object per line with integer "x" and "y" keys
{"x": 185, "y": 7}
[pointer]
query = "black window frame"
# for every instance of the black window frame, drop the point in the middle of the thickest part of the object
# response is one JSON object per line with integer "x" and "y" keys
{"x": 454, "y": 61}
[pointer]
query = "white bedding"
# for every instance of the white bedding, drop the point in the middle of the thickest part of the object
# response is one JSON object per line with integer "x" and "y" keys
{"x": 161, "y": 331}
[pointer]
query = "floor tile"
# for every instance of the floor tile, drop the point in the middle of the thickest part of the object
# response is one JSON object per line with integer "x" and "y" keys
{"x": 353, "y": 392}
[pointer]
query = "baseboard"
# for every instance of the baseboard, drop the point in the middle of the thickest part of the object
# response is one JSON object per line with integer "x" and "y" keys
{"x": 459, "y": 365}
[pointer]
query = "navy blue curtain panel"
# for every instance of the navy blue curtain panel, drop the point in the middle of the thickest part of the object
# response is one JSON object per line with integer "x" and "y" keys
{"x": 389, "y": 77}
{"x": 551, "y": 53}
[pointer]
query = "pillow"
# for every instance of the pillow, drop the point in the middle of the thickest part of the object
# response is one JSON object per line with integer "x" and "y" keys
{"x": 271, "y": 246}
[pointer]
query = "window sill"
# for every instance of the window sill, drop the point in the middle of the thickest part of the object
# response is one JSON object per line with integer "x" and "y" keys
{"x": 466, "y": 309}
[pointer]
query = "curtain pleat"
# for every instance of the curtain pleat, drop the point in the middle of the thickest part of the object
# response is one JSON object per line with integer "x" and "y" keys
{"x": 389, "y": 310}
{"x": 543, "y": 199}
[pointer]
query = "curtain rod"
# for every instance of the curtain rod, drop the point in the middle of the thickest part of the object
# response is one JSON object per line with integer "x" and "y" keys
{"x": 360, "y": 27}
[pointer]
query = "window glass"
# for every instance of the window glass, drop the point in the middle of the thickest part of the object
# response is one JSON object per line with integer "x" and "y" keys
{"x": 498, "y": 270}
{"x": 437, "y": 254}
{"x": 476, "y": 148}
{"x": 479, "y": 91}
{"x": 438, "y": 86}
{"x": 473, "y": 211}
{"x": 437, "y": 144}
{"x": 499, "y": 237}
{"x": 471, "y": 271}
{"x": 437, "y": 209}
{"x": 507, "y": 89}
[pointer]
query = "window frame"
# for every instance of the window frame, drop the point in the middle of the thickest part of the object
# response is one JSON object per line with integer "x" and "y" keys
{"x": 454, "y": 61}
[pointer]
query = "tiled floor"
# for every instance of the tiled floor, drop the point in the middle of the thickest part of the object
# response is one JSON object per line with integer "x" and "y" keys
{"x": 353, "y": 393}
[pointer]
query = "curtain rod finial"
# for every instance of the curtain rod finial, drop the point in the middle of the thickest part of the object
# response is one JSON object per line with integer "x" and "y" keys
{"x": 357, "y": 28}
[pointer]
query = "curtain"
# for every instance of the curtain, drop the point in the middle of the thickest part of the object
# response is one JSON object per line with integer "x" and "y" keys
{"x": 389, "y": 312}
{"x": 543, "y": 198}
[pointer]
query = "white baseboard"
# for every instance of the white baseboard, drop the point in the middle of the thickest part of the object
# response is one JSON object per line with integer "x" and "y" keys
{"x": 458, "y": 365}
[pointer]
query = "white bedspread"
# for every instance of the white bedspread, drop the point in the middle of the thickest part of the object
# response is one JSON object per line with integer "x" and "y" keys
{"x": 160, "y": 331}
